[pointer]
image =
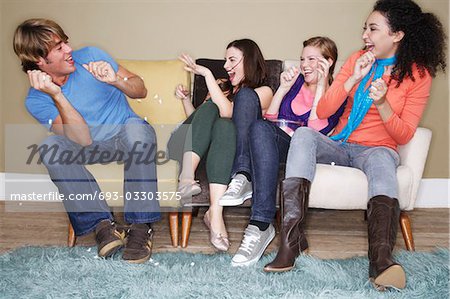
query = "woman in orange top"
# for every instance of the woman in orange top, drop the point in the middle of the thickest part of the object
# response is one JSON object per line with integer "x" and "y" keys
{"x": 387, "y": 86}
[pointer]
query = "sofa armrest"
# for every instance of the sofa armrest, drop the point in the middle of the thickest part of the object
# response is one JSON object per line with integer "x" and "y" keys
{"x": 414, "y": 155}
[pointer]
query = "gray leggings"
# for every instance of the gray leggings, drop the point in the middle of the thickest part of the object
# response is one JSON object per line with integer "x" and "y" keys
{"x": 379, "y": 163}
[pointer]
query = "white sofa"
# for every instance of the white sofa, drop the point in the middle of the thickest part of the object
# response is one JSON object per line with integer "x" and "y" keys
{"x": 348, "y": 186}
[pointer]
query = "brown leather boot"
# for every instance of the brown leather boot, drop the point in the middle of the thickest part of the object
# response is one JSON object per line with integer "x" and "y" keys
{"x": 294, "y": 204}
{"x": 383, "y": 215}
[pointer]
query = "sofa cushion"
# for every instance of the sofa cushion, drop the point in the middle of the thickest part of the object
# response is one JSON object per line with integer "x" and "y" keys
{"x": 334, "y": 187}
{"x": 346, "y": 188}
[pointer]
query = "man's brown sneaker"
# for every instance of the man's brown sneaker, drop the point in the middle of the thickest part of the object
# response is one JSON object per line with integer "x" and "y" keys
{"x": 138, "y": 245}
{"x": 108, "y": 239}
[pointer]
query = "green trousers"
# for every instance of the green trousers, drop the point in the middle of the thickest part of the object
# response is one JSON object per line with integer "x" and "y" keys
{"x": 209, "y": 136}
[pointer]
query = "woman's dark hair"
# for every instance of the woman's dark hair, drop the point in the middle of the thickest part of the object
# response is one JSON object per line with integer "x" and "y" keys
{"x": 254, "y": 65}
{"x": 424, "y": 40}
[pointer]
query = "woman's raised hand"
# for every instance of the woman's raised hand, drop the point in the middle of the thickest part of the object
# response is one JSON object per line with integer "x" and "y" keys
{"x": 288, "y": 77}
{"x": 363, "y": 65}
{"x": 323, "y": 69}
{"x": 192, "y": 67}
{"x": 181, "y": 92}
{"x": 377, "y": 91}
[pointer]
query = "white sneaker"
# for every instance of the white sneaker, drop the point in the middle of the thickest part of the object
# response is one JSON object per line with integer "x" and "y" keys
{"x": 253, "y": 245}
{"x": 238, "y": 191}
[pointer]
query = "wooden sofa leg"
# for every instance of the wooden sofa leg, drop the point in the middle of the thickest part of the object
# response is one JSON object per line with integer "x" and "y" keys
{"x": 173, "y": 225}
{"x": 185, "y": 228}
{"x": 405, "y": 224}
{"x": 71, "y": 239}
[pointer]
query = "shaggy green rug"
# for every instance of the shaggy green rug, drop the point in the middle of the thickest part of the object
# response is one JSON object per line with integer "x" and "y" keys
{"x": 78, "y": 273}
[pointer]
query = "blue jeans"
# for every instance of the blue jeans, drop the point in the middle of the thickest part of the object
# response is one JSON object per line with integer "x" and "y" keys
{"x": 379, "y": 163}
{"x": 134, "y": 145}
{"x": 269, "y": 147}
{"x": 246, "y": 110}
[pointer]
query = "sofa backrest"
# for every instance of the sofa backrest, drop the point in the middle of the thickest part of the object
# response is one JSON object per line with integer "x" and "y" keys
{"x": 161, "y": 78}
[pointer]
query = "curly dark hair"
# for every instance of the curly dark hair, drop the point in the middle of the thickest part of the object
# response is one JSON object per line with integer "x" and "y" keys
{"x": 424, "y": 42}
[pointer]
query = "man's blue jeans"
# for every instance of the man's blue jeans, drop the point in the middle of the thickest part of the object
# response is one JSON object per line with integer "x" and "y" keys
{"x": 134, "y": 145}
{"x": 379, "y": 163}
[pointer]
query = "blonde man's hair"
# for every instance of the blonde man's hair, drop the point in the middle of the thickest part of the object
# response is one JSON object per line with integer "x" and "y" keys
{"x": 34, "y": 38}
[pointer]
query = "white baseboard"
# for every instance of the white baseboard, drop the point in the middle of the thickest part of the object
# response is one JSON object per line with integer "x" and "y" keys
{"x": 38, "y": 183}
{"x": 433, "y": 193}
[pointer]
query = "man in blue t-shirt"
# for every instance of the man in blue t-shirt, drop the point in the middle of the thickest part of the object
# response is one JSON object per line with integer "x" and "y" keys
{"x": 80, "y": 96}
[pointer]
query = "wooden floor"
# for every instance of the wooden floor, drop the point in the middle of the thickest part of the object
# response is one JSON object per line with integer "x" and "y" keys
{"x": 331, "y": 233}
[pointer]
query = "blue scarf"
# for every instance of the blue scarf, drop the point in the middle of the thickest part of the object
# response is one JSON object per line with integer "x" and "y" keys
{"x": 361, "y": 100}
